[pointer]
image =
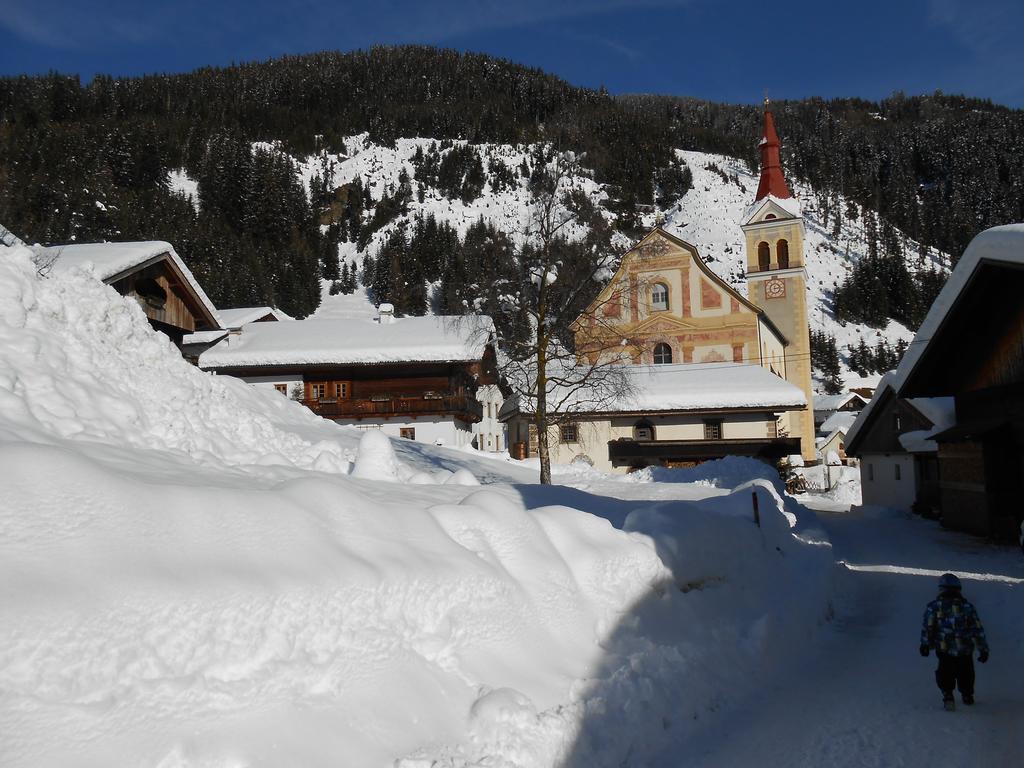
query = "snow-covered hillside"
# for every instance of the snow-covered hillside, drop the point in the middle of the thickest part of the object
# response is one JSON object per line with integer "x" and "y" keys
{"x": 707, "y": 216}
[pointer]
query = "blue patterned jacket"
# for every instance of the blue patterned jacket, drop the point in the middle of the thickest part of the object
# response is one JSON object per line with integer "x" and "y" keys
{"x": 951, "y": 626}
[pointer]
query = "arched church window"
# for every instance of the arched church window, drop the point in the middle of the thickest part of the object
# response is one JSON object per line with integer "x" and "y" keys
{"x": 643, "y": 430}
{"x": 659, "y": 297}
{"x": 764, "y": 256}
{"x": 782, "y": 254}
{"x": 662, "y": 354}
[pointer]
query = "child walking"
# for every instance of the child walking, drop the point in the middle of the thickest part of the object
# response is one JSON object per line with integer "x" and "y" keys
{"x": 953, "y": 629}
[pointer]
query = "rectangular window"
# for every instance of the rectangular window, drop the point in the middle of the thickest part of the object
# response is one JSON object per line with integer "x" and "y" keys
{"x": 341, "y": 389}
{"x": 871, "y": 472}
{"x": 897, "y": 422}
{"x": 713, "y": 429}
{"x": 659, "y": 297}
{"x": 567, "y": 433}
{"x": 282, "y": 388}
{"x": 897, "y": 471}
{"x": 318, "y": 391}
{"x": 409, "y": 433}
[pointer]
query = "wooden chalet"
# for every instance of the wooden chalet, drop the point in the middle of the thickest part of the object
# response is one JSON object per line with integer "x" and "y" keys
{"x": 413, "y": 377}
{"x": 151, "y": 273}
{"x": 971, "y": 347}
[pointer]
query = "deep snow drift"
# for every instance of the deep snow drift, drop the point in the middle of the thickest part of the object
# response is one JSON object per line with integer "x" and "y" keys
{"x": 194, "y": 573}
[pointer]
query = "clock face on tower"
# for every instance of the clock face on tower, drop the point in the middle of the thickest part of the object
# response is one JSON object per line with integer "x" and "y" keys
{"x": 774, "y": 289}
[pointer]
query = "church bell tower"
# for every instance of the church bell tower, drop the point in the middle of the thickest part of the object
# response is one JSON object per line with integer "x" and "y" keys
{"x": 773, "y": 226}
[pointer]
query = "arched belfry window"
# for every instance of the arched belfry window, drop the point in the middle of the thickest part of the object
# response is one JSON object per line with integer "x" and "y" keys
{"x": 662, "y": 354}
{"x": 764, "y": 255}
{"x": 782, "y": 254}
{"x": 643, "y": 430}
{"x": 659, "y": 297}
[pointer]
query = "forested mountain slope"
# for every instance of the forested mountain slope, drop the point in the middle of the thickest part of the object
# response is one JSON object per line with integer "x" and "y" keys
{"x": 425, "y": 247}
{"x": 255, "y": 143}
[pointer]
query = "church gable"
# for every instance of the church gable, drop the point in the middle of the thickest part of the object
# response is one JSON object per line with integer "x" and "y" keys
{"x": 770, "y": 209}
{"x": 663, "y": 275}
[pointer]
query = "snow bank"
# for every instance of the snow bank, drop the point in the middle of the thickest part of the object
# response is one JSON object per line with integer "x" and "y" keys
{"x": 80, "y": 362}
{"x": 170, "y": 624}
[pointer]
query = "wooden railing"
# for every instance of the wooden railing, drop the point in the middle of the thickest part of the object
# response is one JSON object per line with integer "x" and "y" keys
{"x": 462, "y": 406}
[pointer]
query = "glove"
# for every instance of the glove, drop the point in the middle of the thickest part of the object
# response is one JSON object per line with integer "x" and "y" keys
{"x": 924, "y": 650}
{"x": 983, "y": 657}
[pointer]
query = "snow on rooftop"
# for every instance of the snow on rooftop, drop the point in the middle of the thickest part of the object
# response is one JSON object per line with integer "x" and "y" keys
{"x": 940, "y": 411}
{"x": 204, "y": 337}
{"x": 839, "y": 421}
{"x": 835, "y": 402}
{"x": 236, "y": 317}
{"x": 999, "y": 244}
{"x": 887, "y": 382}
{"x": 790, "y": 205}
{"x": 108, "y": 260}
{"x": 693, "y": 387}
{"x": 354, "y": 341}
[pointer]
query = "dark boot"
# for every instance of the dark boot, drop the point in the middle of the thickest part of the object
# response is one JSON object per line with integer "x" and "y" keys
{"x": 949, "y": 703}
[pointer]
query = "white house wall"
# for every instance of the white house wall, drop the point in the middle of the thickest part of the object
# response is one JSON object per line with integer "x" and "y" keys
{"x": 878, "y": 482}
{"x": 446, "y": 431}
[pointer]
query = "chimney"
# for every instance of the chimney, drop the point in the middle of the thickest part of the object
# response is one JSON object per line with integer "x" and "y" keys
{"x": 386, "y": 314}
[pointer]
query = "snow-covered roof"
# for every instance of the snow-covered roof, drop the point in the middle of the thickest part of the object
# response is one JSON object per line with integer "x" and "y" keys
{"x": 789, "y": 205}
{"x": 821, "y": 442}
{"x": 999, "y": 244}
{"x": 204, "y": 337}
{"x": 835, "y": 402}
{"x": 940, "y": 411}
{"x": 919, "y": 441}
{"x": 840, "y": 421}
{"x": 354, "y": 342}
{"x": 108, "y": 261}
{"x": 887, "y": 383}
{"x": 236, "y": 317}
{"x": 689, "y": 387}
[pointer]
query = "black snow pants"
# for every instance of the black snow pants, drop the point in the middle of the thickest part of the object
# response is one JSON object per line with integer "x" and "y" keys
{"x": 955, "y": 672}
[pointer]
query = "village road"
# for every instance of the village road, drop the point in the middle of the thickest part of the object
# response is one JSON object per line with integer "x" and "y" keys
{"x": 863, "y": 696}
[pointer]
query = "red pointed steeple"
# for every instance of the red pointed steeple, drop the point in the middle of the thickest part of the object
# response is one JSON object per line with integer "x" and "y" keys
{"x": 772, "y": 181}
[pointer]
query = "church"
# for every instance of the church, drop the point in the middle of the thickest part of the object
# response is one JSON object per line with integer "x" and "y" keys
{"x": 712, "y": 372}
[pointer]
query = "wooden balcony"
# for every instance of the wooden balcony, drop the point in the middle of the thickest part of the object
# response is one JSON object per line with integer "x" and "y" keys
{"x": 459, "y": 405}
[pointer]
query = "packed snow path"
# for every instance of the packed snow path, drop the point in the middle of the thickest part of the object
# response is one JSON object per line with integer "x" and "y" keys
{"x": 864, "y": 697}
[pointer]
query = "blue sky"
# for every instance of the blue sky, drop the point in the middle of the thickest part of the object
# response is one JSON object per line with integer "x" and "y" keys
{"x": 725, "y": 51}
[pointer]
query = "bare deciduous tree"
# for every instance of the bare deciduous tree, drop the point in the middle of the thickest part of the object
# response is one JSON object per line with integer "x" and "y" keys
{"x": 566, "y": 257}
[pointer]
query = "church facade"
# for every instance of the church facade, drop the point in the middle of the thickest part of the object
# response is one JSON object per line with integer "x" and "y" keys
{"x": 666, "y": 313}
